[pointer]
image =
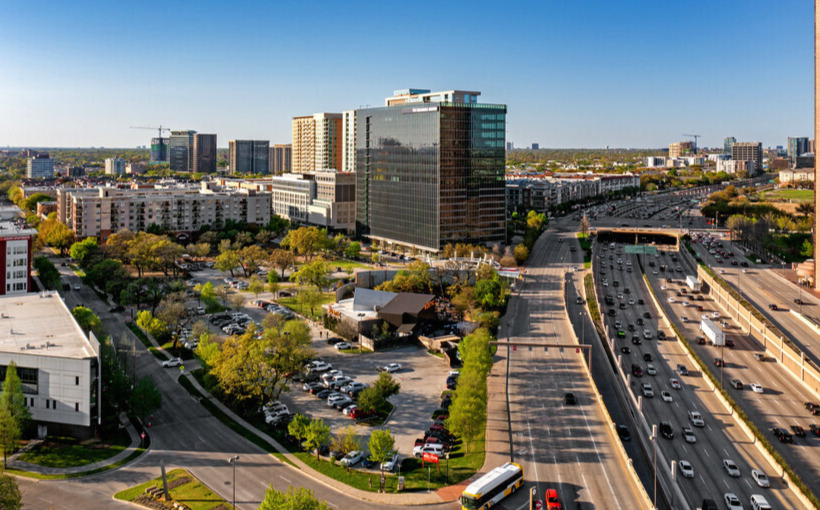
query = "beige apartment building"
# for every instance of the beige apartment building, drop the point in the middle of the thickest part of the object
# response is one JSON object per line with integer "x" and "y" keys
{"x": 679, "y": 149}
{"x": 317, "y": 143}
{"x": 100, "y": 212}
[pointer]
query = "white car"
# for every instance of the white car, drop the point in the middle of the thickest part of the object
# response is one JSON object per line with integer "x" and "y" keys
{"x": 391, "y": 367}
{"x": 696, "y": 419}
{"x": 391, "y": 463}
{"x": 756, "y": 387}
{"x": 663, "y": 287}
{"x": 689, "y": 435}
{"x": 342, "y": 346}
{"x": 721, "y": 271}
{"x": 651, "y": 370}
{"x": 705, "y": 316}
{"x": 686, "y": 469}
{"x": 674, "y": 383}
{"x": 336, "y": 397}
{"x": 271, "y": 418}
{"x": 716, "y": 315}
{"x": 743, "y": 271}
{"x": 330, "y": 374}
{"x": 353, "y": 458}
{"x": 760, "y": 478}
{"x": 435, "y": 449}
{"x": 732, "y": 501}
{"x": 670, "y": 299}
{"x": 77, "y": 286}
{"x": 654, "y": 271}
{"x": 319, "y": 366}
{"x": 646, "y": 390}
{"x": 349, "y": 409}
{"x": 666, "y": 396}
{"x": 173, "y": 362}
{"x": 731, "y": 468}
{"x": 631, "y": 301}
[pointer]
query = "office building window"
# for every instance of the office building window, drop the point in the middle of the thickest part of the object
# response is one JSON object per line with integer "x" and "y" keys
{"x": 77, "y": 406}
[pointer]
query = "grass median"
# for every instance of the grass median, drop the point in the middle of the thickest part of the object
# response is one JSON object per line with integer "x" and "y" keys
{"x": 182, "y": 487}
{"x": 65, "y": 452}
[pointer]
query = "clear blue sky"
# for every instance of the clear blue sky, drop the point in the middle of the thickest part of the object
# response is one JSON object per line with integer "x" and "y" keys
{"x": 578, "y": 73}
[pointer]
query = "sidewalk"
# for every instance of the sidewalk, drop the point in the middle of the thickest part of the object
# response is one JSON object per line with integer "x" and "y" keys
{"x": 15, "y": 463}
{"x": 408, "y": 499}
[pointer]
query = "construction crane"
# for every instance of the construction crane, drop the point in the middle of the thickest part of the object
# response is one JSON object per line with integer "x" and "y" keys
{"x": 159, "y": 129}
{"x": 695, "y": 150}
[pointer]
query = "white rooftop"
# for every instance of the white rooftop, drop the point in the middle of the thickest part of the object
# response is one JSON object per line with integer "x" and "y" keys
{"x": 41, "y": 324}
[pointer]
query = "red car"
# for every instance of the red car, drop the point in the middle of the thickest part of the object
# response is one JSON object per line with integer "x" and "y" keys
{"x": 553, "y": 502}
{"x": 359, "y": 414}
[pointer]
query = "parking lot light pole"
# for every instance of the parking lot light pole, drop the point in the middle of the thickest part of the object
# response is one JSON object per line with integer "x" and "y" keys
{"x": 232, "y": 461}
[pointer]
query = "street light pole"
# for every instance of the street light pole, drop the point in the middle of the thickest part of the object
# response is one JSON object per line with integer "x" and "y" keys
{"x": 654, "y": 439}
{"x": 232, "y": 461}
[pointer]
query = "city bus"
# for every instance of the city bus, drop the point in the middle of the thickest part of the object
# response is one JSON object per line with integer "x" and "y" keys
{"x": 492, "y": 487}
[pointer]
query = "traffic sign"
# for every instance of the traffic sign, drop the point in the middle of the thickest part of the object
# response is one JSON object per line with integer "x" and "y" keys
{"x": 538, "y": 505}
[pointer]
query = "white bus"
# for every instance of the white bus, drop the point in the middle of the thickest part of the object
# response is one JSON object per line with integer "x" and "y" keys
{"x": 492, "y": 487}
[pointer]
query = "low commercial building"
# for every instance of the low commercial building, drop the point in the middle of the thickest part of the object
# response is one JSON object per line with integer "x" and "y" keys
{"x": 57, "y": 363}
{"x": 792, "y": 176}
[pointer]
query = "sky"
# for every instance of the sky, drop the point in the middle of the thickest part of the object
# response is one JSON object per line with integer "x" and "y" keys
{"x": 573, "y": 74}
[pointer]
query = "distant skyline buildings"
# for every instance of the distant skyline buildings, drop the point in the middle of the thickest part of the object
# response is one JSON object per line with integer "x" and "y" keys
{"x": 281, "y": 156}
{"x": 204, "y": 153}
{"x": 249, "y": 156}
{"x": 40, "y": 166}
{"x": 727, "y": 145}
{"x": 180, "y": 147}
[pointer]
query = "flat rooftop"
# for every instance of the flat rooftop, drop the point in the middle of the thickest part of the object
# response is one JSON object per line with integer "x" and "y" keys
{"x": 41, "y": 324}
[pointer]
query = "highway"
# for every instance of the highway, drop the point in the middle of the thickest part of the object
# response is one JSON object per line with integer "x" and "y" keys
{"x": 721, "y": 437}
{"x": 565, "y": 447}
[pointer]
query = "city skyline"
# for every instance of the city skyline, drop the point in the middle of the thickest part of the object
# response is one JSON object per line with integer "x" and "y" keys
{"x": 582, "y": 76}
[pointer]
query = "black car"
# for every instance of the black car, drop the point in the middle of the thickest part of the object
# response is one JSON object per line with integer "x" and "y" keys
{"x": 744, "y": 264}
{"x": 623, "y": 433}
{"x": 666, "y": 430}
{"x": 639, "y": 321}
{"x": 798, "y": 431}
{"x": 636, "y": 340}
{"x": 612, "y": 312}
{"x": 719, "y": 362}
{"x": 647, "y": 357}
{"x": 640, "y": 301}
{"x": 661, "y": 335}
{"x": 782, "y": 435}
{"x": 626, "y": 350}
{"x": 814, "y": 429}
{"x": 570, "y": 400}
{"x": 323, "y": 394}
{"x": 647, "y": 315}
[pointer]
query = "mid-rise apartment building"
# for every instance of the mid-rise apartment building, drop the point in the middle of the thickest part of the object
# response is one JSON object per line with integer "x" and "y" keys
{"x": 40, "y": 166}
{"x": 249, "y": 156}
{"x": 317, "y": 143}
{"x": 543, "y": 192}
{"x": 100, "y": 212}
{"x": 430, "y": 170}
{"x": 15, "y": 256}
{"x": 749, "y": 151}
{"x": 58, "y": 365}
{"x": 114, "y": 166}
{"x": 204, "y": 151}
{"x": 281, "y": 156}
{"x": 679, "y": 149}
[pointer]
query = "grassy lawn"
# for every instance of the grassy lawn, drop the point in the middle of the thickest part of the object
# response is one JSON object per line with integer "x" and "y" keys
{"x": 183, "y": 488}
{"x": 797, "y": 195}
{"x": 63, "y": 452}
{"x": 293, "y": 304}
{"x": 346, "y": 264}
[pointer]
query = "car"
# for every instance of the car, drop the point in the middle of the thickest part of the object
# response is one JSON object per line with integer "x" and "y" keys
{"x": 639, "y": 321}
{"x": 347, "y": 411}
{"x": 552, "y": 499}
{"x": 782, "y": 435}
{"x": 715, "y": 315}
{"x": 666, "y": 430}
{"x": 798, "y": 301}
{"x": 666, "y": 396}
{"x": 647, "y": 334}
{"x": 173, "y": 362}
{"x": 626, "y": 350}
{"x": 674, "y": 383}
{"x": 731, "y": 468}
{"x": 343, "y": 346}
{"x": 391, "y": 368}
{"x": 689, "y": 435}
{"x": 76, "y": 286}
{"x": 360, "y": 414}
{"x": 737, "y": 384}
{"x": 756, "y": 387}
{"x": 435, "y": 449}
{"x": 798, "y": 430}
{"x": 697, "y": 419}
{"x": 671, "y": 299}
{"x": 334, "y": 340}
{"x": 323, "y": 394}
{"x": 631, "y": 301}
{"x": 700, "y": 340}
{"x": 646, "y": 390}
{"x": 647, "y": 357}
{"x": 636, "y": 340}
{"x": 760, "y": 478}
{"x": 352, "y": 458}
{"x": 319, "y": 366}
{"x": 391, "y": 463}
{"x": 729, "y": 342}
{"x": 570, "y": 400}
{"x": 682, "y": 370}
{"x": 647, "y": 315}
{"x": 719, "y": 362}
{"x": 623, "y": 432}
{"x": 640, "y": 301}
{"x": 651, "y": 370}
{"x": 353, "y": 387}
{"x": 686, "y": 469}
{"x": 732, "y": 501}
{"x": 773, "y": 307}
{"x": 815, "y": 429}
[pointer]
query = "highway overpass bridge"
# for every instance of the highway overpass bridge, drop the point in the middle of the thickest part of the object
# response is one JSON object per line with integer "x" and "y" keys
{"x": 667, "y": 237}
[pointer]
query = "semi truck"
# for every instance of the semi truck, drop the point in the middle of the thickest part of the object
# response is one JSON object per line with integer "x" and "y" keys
{"x": 713, "y": 332}
{"x": 693, "y": 283}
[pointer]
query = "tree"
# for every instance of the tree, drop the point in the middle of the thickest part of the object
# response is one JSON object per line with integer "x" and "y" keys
{"x": 145, "y": 398}
{"x": 282, "y": 259}
{"x": 316, "y": 435}
{"x": 84, "y": 249}
{"x": 49, "y": 275}
{"x": 208, "y": 293}
{"x": 140, "y": 252}
{"x": 237, "y": 301}
{"x": 273, "y": 284}
{"x": 12, "y": 398}
{"x": 299, "y": 498}
{"x": 345, "y": 440}
{"x": 207, "y": 350}
{"x": 305, "y": 241}
{"x": 381, "y": 445}
{"x": 298, "y": 427}
{"x": 9, "y": 433}
{"x": 313, "y": 273}
{"x": 88, "y": 321}
{"x": 256, "y": 286}
{"x": 353, "y": 250}
{"x": 808, "y": 249}
{"x": 250, "y": 257}
{"x": 171, "y": 312}
{"x": 469, "y": 408}
{"x": 521, "y": 253}
{"x": 386, "y": 385}
{"x": 474, "y": 350}
{"x": 584, "y": 226}
{"x": 10, "y": 496}
{"x": 375, "y": 258}
{"x": 57, "y": 235}
{"x": 152, "y": 325}
{"x": 488, "y": 294}
{"x": 224, "y": 292}
{"x": 805, "y": 208}
{"x": 310, "y": 299}
{"x": 227, "y": 261}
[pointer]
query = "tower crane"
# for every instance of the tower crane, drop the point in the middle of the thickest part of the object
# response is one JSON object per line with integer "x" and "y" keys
{"x": 159, "y": 129}
{"x": 695, "y": 151}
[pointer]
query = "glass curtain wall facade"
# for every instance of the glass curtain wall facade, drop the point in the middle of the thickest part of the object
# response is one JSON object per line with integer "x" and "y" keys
{"x": 431, "y": 175}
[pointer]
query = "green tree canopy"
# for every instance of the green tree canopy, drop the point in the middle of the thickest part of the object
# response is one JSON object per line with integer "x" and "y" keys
{"x": 145, "y": 398}
{"x": 381, "y": 445}
{"x": 298, "y": 498}
{"x": 81, "y": 250}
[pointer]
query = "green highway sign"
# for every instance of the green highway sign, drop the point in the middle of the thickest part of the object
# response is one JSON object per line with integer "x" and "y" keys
{"x": 640, "y": 249}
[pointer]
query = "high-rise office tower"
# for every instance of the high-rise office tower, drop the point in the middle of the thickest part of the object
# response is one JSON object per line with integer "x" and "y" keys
{"x": 727, "y": 145}
{"x": 797, "y": 147}
{"x": 180, "y": 147}
{"x": 280, "y": 159}
{"x": 748, "y": 151}
{"x": 204, "y": 151}
{"x": 349, "y": 141}
{"x": 249, "y": 156}
{"x": 159, "y": 150}
{"x": 317, "y": 142}
{"x": 430, "y": 170}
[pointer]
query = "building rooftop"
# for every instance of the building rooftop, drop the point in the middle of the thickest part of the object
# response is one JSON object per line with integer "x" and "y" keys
{"x": 13, "y": 228}
{"x": 41, "y": 324}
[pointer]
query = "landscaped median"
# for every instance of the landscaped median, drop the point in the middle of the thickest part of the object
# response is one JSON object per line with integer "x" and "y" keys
{"x": 759, "y": 436}
{"x": 67, "y": 452}
{"x": 182, "y": 487}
